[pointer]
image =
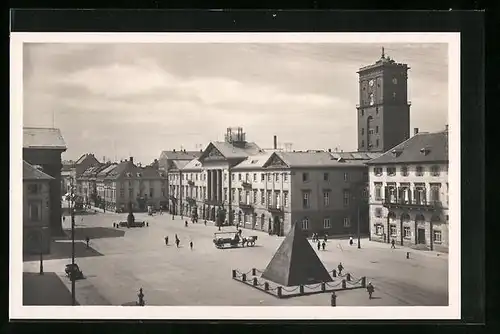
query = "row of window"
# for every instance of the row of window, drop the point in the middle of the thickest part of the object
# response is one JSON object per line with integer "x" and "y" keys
{"x": 370, "y": 131}
{"x": 407, "y": 232}
{"x": 404, "y": 192}
{"x": 326, "y": 223}
{"x": 246, "y": 177}
{"x": 419, "y": 171}
{"x": 131, "y": 192}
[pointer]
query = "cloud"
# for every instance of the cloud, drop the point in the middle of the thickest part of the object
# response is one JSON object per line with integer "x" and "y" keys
{"x": 150, "y": 97}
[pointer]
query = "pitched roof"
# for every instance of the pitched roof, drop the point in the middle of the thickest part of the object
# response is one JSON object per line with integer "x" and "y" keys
{"x": 231, "y": 151}
{"x": 84, "y": 157}
{"x": 319, "y": 159}
{"x": 179, "y": 164}
{"x": 122, "y": 167}
{"x": 421, "y": 148}
{"x": 150, "y": 172}
{"x": 105, "y": 171}
{"x": 30, "y": 172}
{"x": 180, "y": 155}
{"x": 194, "y": 164}
{"x": 43, "y": 138}
{"x": 296, "y": 262}
{"x": 254, "y": 161}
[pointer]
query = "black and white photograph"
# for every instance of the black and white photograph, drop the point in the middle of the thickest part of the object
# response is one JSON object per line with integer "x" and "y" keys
{"x": 235, "y": 175}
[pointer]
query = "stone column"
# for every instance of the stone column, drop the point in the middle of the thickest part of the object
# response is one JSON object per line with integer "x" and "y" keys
{"x": 220, "y": 185}
{"x": 214, "y": 185}
{"x": 209, "y": 185}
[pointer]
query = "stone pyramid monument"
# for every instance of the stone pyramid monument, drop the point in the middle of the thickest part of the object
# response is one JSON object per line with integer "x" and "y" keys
{"x": 296, "y": 262}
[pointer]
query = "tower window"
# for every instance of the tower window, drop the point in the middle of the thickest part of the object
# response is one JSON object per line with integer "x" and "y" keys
{"x": 362, "y": 112}
{"x": 372, "y": 101}
{"x": 362, "y": 143}
{"x": 376, "y": 110}
{"x": 377, "y": 143}
{"x": 376, "y": 129}
{"x": 394, "y": 95}
{"x": 362, "y": 131}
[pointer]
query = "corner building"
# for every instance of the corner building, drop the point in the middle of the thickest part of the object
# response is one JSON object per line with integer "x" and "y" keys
{"x": 409, "y": 193}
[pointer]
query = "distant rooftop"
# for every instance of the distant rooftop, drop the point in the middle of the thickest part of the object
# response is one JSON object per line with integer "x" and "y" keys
{"x": 43, "y": 138}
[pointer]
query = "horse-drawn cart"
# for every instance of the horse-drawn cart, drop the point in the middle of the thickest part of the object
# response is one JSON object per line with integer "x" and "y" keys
{"x": 232, "y": 240}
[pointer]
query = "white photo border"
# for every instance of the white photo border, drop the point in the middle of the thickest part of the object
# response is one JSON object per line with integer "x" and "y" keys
{"x": 18, "y": 311}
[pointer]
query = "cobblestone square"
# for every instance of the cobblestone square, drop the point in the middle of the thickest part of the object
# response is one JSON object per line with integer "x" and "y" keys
{"x": 170, "y": 276}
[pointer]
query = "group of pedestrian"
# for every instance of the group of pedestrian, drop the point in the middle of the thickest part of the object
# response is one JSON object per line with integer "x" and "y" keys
{"x": 178, "y": 242}
{"x": 321, "y": 244}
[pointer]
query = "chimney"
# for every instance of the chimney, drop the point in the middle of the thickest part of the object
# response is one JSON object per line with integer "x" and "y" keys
{"x": 415, "y": 131}
{"x": 275, "y": 142}
{"x": 174, "y": 150}
{"x": 329, "y": 150}
{"x": 132, "y": 159}
{"x": 446, "y": 127}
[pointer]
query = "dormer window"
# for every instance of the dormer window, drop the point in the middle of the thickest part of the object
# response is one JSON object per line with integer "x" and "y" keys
{"x": 340, "y": 159}
{"x": 129, "y": 174}
{"x": 404, "y": 171}
{"x": 419, "y": 171}
{"x": 139, "y": 175}
{"x": 396, "y": 153}
{"x": 377, "y": 171}
{"x": 425, "y": 150}
{"x": 391, "y": 171}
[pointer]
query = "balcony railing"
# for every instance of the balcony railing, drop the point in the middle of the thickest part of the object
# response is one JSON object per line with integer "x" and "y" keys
{"x": 246, "y": 184}
{"x": 274, "y": 208}
{"x": 413, "y": 203}
{"x": 245, "y": 205}
{"x": 190, "y": 183}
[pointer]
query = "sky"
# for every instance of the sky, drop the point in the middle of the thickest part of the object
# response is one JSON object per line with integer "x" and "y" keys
{"x": 122, "y": 100}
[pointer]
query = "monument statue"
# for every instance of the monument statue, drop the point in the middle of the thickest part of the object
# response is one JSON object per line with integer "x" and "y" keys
{"x": 130, "y": 217}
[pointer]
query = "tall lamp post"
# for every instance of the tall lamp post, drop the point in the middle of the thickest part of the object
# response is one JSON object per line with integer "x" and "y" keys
{"x": 41, "y": 248}
{"x": 72, "y": 276}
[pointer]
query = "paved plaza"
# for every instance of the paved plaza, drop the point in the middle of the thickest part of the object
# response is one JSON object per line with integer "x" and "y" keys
{"x": 120, "y": 261}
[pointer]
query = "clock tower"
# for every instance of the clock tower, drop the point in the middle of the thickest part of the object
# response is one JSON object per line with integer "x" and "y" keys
{"x": 383, "y": 109}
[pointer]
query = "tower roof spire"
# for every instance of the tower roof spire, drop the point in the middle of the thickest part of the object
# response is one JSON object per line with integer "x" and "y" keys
{"x": 383, "y": 52}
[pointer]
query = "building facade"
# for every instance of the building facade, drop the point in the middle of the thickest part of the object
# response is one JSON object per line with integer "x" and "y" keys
{"x": 43, "y": 147}
{"x": 127, "y": 182}
{"x": 383, "y": 109}
{"x": 36, "y": 210}
{"x": 409, "y": 193}
{"x": 270, "y": 190}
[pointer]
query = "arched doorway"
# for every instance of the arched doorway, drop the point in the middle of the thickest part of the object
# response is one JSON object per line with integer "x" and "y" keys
{"x": 262, "y": 221}
{"x": 276, "y": 225}
{"x": 419, "y": 229}
{"x": 405, "y": 218}
{"x": 391, "y": 221}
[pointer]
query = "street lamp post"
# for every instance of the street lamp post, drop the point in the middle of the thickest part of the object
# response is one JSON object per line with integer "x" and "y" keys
{"x": 72, "y": 276}
{"x": 41, "y": 252}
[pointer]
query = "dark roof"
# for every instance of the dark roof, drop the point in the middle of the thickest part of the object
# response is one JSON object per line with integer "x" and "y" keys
{"x": 123, "y": 167}
{"x": 319, "y": 159}
{"x": 296, "y": 262}
{"x": 150, "y": 172}
{"x": 231, "y": 151}
{"x": 105, "y": 170}
{"x": 180, "y": 155}
{"x": 84, "y": 157}
{"x": 194, "y": 164}
{"x": 43, "y": 138}
{"x": 30, "y": 172}
{"x": 412, "y": 150}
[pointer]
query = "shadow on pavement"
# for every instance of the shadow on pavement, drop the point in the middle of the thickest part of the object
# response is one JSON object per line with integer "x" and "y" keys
{"x": 95, "y": 233}
{"x": 46, "y": 289}
{"x": 62, "y": 250}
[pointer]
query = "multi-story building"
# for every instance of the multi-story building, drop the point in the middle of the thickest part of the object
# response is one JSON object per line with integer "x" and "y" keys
{"x": 172, "y": 160}
{"x": 80, "y": 166}
{"x": 127, "y": 182}
{"x": 270, "y": 190}
{"x": 105, "y": 199}
{"x": 36, "y": 209}
{"x": 43, "y": 147}
{"x": 409, "y": 193}
{"x": 383, "y": 109}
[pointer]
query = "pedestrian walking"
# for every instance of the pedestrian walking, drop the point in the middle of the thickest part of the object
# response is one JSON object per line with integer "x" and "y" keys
{"x": 350, "y": 241}
{"x": 87, "y": 240}
{"x": 177, "y": 242}
{"x": 340, "y": 267}
{"x": 64, "y": 219}
{"x": 205, "y": 222}
{"x": 191, "y": 245}
{"x": 323, "y": 245}
{"x": 393, "y": 244}
{"x": 370, "y": 290}
{"x": 186, "y": 223}
{"x": 166, "y": 241}
{"x": 319, "y": 245}
{"x": 325, "y": 239}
